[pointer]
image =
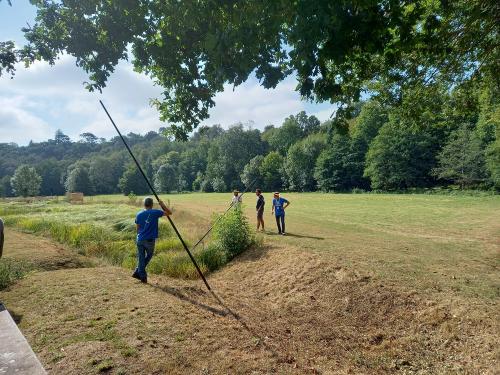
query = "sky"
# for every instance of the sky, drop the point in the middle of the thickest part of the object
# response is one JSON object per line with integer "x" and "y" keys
{"x": 43, "y": 98}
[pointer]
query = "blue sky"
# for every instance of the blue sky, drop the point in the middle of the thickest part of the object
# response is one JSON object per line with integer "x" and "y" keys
{"x": 42, "y": 99}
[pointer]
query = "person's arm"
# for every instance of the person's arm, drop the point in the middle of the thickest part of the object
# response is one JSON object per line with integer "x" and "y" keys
{"x": 286, "y": 204}
{"x": 272, "y": 208}
{"x": 166, "y": 210}
{"x": 137, "y": 226}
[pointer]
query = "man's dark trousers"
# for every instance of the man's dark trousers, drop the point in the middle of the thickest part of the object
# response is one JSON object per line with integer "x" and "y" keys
{"x": 280, "y": 222}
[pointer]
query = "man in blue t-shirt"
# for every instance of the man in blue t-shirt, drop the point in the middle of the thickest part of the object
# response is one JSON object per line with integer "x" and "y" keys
{"x": 147, "y": 233}
{"x": 278, "y": 209}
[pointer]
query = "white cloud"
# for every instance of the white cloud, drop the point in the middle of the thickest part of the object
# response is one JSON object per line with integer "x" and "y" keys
{"x": 45, "y": 98}
{"x": 20, "y": 126}
{"x": 141, "y": 121}
{"x": 325, "y": 114}
{"x": 251, "y": 102}
{"x": 56, "y": 96}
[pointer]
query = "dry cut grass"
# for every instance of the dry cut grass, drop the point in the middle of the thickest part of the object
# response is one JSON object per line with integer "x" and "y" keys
{"x": 275, "y": 310}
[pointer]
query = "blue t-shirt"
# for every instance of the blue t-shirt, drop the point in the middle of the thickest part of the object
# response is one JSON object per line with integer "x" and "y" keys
{"x": 148, "y": 224}
{"x": 278, "y": 206}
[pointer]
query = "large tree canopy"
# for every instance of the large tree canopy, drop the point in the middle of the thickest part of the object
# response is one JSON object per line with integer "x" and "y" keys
{"x": 336, "y": 49}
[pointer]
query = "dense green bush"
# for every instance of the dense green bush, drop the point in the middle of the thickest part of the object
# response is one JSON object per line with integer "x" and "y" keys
{"x": 232, "y": 233}
{"x": 213, "y": 257}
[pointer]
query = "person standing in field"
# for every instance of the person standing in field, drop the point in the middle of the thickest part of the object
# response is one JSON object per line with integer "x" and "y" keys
{"x": 1, "y": 237}
{"x": 278, "y": 209}
{"x": 236, "y": 198}
{"x": 147, "y": 233}
{"x": 260, "y": 209}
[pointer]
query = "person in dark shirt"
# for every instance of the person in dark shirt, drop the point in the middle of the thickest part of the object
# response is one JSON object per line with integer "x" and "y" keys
{"x": 147, "y": 233}
{"x": 279, "y": 205}
{"x": 260, "y": 209}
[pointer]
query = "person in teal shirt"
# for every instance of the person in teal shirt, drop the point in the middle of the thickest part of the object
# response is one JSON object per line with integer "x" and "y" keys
{"x": 278, "y": 209}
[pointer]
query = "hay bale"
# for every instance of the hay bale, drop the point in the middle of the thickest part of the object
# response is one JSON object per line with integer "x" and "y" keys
{"x": 75, "y": 198}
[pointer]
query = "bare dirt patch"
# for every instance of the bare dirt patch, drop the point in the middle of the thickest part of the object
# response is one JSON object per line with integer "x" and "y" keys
{"x": 274, "y": 310}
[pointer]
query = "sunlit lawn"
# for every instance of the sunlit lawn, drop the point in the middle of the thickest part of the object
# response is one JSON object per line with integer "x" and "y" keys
{"x": 427, "y": 242}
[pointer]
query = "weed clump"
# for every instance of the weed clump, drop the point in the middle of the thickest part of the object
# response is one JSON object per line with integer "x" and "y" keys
{"x": 11, "y": 270}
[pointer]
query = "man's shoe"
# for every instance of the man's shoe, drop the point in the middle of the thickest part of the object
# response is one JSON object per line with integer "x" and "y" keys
{"x": 144, "y": 280}
{"x": 283, "y": 234}
{"x": 135, "y": 275}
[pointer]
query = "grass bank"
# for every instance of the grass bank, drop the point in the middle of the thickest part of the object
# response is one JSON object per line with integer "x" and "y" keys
{"x": 106, "y": 229}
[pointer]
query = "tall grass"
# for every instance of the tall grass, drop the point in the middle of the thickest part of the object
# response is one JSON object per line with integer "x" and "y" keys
{"x": 108, "y": 231}
{"x": 11, "y": 270}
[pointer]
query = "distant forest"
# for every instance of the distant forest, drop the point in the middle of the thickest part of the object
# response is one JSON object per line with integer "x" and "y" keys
{"x": 430, "y": 137}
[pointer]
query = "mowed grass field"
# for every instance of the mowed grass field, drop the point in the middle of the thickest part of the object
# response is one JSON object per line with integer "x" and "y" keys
{"x": 429, "y": 242}
{"x": 367, "y": 283}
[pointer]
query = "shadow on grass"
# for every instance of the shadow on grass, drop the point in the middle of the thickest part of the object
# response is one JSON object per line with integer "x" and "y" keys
{"x": 226, "y": 311}
{"x": 15, "y": 316}
{"x": 254, "y": 253}
{"x": 184, "y": 297}
{"x": 295, "y": 235}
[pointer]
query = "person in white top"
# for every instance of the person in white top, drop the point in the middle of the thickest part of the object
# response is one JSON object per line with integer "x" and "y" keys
{"x": 236, "y": 198}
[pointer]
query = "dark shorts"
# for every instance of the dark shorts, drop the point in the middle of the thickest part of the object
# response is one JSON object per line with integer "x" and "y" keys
{"x": 260, "y": 214}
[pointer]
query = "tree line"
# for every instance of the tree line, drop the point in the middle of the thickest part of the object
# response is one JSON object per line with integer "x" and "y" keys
{"x": 430, "y": 137}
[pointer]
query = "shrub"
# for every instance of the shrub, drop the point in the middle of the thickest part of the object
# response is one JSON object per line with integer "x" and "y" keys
{"x": 232, "y": 233}
{"x": 213, "y": 257}
{"x": 165, "y": 229}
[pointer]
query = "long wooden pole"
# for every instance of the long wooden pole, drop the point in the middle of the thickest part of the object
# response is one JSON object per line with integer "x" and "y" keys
{"x": 157, "y": 198}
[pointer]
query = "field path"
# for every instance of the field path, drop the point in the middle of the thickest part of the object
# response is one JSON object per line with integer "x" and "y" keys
{"x": 275, "y": 310}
